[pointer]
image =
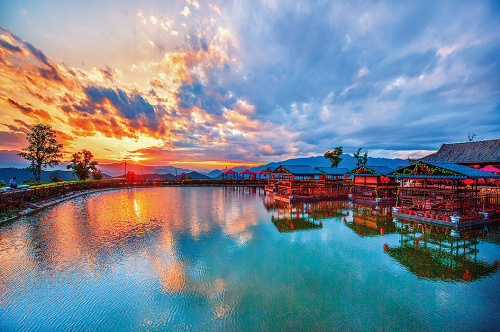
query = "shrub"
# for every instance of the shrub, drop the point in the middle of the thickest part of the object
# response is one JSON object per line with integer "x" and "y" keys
{"x": 97, "y": 174}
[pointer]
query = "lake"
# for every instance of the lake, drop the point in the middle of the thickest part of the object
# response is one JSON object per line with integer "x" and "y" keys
{"x": 229, "y": 259}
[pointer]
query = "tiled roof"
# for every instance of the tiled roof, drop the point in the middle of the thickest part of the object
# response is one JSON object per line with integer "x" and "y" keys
{"x": 300, "y": 169}
{"x": 464, "y": 171}
{"x": 380, "y": 170}
{"x": 467, "y": 152}
{"x": 333, "y": 170}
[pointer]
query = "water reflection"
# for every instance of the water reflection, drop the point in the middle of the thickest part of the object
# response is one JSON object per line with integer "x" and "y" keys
{"x": 213, "y": 259}
{"x": 440, "y": 253}
{"x": 369, "y": 220}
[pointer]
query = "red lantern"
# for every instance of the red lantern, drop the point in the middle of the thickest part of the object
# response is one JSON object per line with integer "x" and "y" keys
{"x": 469, "y": 182}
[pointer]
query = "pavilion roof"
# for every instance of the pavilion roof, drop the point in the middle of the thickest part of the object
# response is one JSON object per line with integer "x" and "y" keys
{"x": 297, "y": 170}
{"x": 487, "y": 151}
{"x": 229, "y": 171}
{"x": 371, "y": 170}
{"x": 432, "y": 170}
{"x": 490, "y": 168}
{"x": 246, "y": 172}
{"x": 333, "y": 170}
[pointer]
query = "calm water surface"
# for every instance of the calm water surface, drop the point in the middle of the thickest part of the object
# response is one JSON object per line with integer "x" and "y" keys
{"x": 215, "y": 259}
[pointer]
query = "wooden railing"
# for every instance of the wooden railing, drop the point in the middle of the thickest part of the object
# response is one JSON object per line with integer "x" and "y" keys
{"x": 17, "y": 199}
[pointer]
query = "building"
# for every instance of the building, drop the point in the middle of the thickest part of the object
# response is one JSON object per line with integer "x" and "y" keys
{"x": 473, "y": 154}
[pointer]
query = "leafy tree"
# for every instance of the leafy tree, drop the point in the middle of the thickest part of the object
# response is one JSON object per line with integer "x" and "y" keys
{"x": 43, "y": 149}
{"x": 97, "y": 174}
{"x": 334, "y": 156}
{"x": 183, "y": 176}
{"x": 362, "y": 160}
{"x": 365, "y": 158}
{"x": 82, "y": 164}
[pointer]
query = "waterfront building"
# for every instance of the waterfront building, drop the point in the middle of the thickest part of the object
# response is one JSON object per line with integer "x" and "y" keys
{"x": 442, "y": 194}
{"x": 372, "y": 186}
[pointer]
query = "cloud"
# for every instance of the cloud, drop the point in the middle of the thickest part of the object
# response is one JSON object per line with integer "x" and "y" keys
{"x": 186, "y": 12}
{"x": 248, "y": 81}
{"x": 38, "y": 114}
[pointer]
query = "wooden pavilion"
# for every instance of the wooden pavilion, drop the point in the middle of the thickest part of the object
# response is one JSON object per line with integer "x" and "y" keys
{"x": 372, "y": 186}
{"x": 441, "y": 194}
{"x": 335, "y": 179}
{"x": 297, "y": 183}
{"x": 226, "y": 174}
{"x": 247, "y": 174}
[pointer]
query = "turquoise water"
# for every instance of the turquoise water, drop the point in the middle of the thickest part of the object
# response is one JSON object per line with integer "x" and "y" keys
{"x": 216, "y": 259}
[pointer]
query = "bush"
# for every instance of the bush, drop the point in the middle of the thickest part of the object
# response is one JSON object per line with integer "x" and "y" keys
{"x": 54, "y": 177}
{"x": 97, "y": 174}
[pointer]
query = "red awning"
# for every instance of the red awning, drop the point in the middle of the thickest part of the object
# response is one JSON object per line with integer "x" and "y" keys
{"x": 246, "y": 172}
{"x": 490, "y": 168}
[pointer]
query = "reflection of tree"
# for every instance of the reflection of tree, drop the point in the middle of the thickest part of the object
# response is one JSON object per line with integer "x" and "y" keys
{"x": 294, "y": 224}
{"x": 439, "y": 253}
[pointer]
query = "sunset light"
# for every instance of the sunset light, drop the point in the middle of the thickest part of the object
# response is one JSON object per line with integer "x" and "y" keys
{"x": 197, "y": 83}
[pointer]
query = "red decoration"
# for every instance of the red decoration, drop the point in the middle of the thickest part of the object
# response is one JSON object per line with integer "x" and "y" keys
{"x": 477, "y": 166}
{"x": 386, "y": 246}
{"x": 466, "y": 276}
{"x": 469, "y": 182}
{"x": 291, "y": 226}
{"x": 320, "y": 224}
{"x": 381, "y": 231}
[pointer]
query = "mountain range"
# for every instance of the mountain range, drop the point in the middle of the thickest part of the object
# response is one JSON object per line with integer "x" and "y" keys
{"x": 17, "y": 167}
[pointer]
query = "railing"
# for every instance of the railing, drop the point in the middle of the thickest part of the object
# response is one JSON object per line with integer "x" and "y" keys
{"x": 17, "y": 199}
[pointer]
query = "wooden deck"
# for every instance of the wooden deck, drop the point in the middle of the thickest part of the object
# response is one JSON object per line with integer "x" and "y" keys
{"x": 441, "y": 223}
{"x": 370, "y": 202}
{"x": 294, "y": 199}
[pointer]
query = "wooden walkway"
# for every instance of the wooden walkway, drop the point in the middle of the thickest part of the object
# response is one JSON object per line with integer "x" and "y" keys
{"x": 441, "y": 223}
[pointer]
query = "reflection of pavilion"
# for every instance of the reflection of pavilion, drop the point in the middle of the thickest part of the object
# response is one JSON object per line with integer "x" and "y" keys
{"x": 302, "y": 216}
{"x": 438, "y": 253}
{"x": 369, "y": 220}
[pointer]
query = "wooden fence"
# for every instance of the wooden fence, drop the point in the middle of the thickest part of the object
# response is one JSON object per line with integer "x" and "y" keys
{"x": 18, "y": 199}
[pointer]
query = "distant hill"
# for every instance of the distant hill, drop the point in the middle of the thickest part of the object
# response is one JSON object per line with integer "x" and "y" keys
{"x": 194, "y": 175}
{"x": 348, "y": 162}
{"x": 118, "y": 169}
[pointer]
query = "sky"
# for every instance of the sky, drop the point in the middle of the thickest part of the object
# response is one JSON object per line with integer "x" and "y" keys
{"x": 206, "y": 85}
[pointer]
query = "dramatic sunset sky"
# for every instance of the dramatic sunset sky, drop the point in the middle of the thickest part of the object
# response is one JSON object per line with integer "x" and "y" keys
{"x": 205, "y": 85}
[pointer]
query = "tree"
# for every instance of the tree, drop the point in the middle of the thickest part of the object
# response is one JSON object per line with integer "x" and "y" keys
{"x": 362, "y": 160}
{"x": 334, "y": 156}
{"x": 43, "y": 149}
{"x": 82, "y": 164}
{"x": 365, "y": 158}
